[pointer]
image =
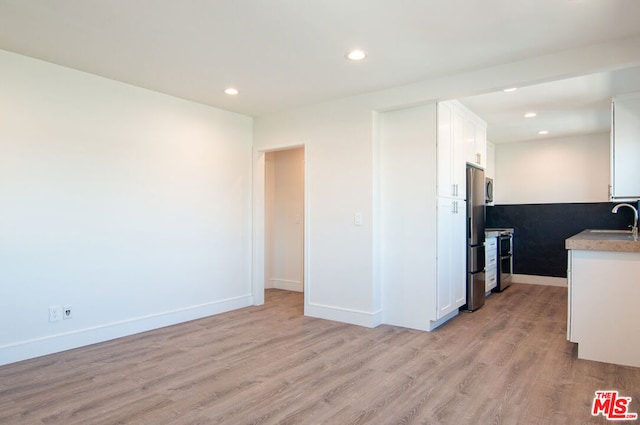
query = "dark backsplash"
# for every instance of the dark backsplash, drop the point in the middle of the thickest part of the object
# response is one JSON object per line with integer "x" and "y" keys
{"x": 541, "y": 229}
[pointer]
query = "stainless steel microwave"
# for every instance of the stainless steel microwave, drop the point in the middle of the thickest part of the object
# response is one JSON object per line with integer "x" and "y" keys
{"x": 488, "y": 190}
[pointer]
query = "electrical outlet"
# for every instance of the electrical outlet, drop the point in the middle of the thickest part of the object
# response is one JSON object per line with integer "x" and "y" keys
{"x": 55, "y": 313}
{"x": 66, "y": 312}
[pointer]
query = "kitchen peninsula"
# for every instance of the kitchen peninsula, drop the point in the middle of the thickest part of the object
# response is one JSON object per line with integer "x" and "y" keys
{"x": 604, "y": 292}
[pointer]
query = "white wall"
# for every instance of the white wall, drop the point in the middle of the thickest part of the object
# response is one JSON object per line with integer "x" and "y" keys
{"x": 338, "y": 165}
{"x": 553, "y": 170}
{"x": 132, "y": 206}
{"x": 269, "y": 217}
{"x": 490, "y": 171}
{"x": 408, "y": 216}
{"x": 285, "y": 219}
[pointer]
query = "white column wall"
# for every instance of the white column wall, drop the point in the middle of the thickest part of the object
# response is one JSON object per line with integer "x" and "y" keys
{"x": 338, "y": 165}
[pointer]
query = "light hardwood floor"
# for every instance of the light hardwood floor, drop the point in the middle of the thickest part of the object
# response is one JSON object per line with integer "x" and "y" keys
{"x": 507, "y": 363}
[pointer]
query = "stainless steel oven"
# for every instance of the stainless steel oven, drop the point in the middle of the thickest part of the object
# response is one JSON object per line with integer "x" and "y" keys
{"x": 505, "y": 259}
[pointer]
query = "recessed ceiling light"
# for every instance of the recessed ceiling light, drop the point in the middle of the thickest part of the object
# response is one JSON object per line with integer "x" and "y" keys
{"x": 510, "y": 89}
{"x": 231, "y": 91}
{"x": 356, "y": 55}
{"x": 543, "y": 132}
{"x": 530, "y": 115}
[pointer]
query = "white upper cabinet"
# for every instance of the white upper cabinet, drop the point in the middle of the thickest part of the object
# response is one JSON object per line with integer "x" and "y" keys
{"x": 625, "y": 147}
{"x": 470, "y": 143}
{"x": 462, "y": 138}
{"x": 480, "y": 145}
{"x": 475, "y": 139}
{"x": 450, "y": 141}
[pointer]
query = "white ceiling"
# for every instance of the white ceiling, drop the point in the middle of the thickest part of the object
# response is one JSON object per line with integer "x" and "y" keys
{"x": 569, "y": 107}
{"x": 283, "y": 54}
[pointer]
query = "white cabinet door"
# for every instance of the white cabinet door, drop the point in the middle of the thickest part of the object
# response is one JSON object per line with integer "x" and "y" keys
{"x": 451, "y": 260}
{"x": 481, "y": 144}
{"x": 475, "y": 140}
{"x": 445, "y": 150}
{"x": 470, "y": 141}
{"x": 458, "y": 165}
{"x": 603, "y": 306}
{"x": 491, "y": 279}
{"x": 450, "y": 152}
{"x": 491, "y": 263}
{"x": 459, "y": 252}
{"x": 444, "y": 248}
{"x": 625, "y": 149}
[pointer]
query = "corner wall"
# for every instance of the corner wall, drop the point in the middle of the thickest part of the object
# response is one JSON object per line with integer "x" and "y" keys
{"x": 131, "y": 206}
{"x": 338, "y": 148}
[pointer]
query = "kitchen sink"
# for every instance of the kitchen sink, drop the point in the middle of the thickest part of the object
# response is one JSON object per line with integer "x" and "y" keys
{"x": 612, "y": 234}
{"x": 610, "y": 231}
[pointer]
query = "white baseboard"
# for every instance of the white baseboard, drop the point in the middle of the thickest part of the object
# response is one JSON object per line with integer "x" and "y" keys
{"x": 540, "y": 280}
{"x": 437, "y": 323}
{"x": 24, "y": 350}
{"x": 353, "y": 317}
{"x": 289, "y": 285}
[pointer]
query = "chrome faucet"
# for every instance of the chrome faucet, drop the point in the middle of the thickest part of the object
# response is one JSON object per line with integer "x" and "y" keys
{"x": 634, "y": 228}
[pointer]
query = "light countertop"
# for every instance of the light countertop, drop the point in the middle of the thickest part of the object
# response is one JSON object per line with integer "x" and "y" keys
{"x": 494, "y": 232}
{"x": 603, "y": 240}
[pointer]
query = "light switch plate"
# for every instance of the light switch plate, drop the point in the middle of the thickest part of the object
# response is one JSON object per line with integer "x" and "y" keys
{"x": 357, "y": 219}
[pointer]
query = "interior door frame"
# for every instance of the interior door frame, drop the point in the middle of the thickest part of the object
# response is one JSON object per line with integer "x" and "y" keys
{"x": 259, "y": 212}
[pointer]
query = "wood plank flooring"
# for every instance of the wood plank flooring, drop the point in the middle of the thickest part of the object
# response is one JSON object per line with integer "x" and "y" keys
{"x": 507, "y": 363}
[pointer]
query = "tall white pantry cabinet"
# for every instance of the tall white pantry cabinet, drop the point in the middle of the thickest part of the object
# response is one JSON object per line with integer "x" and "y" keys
{"x": 422, "y": 215}
{"x": 451, "y": 209}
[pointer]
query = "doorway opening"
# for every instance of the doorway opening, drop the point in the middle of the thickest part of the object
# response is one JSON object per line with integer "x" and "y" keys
{"x": 284, "y": 194}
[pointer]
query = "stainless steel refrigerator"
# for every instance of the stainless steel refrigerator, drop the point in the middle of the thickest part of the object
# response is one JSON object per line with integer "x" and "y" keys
{"x": 475, "y": 239}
